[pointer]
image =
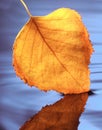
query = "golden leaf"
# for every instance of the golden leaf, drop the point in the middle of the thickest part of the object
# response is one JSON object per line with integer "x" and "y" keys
{"x": 63, "y": 115}
{"x": 52, "y": 52}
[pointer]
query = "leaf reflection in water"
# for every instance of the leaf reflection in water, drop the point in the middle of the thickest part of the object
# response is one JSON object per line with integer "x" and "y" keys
{"x": 63, "y": 115}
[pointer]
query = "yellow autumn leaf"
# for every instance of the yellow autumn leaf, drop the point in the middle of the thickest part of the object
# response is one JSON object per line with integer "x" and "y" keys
{"x": 52, "y": 52}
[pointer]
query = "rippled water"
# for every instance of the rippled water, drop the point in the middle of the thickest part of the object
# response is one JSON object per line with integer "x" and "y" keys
{"x": 18, "y": 102}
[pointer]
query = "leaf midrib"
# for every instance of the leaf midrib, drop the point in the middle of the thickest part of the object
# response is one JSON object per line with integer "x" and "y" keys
{"x": 35, "y": 23}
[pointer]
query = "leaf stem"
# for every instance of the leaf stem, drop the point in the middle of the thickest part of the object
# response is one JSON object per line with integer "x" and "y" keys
{"x": 28, "y": 12}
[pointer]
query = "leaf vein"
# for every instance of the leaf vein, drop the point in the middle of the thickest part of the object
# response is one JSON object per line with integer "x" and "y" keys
{"x": 54, "y": 53}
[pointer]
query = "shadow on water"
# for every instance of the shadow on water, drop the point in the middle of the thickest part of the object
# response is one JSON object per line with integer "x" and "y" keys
{"x": 62, "y": 115}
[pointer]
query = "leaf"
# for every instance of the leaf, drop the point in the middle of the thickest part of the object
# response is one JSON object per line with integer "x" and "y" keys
{"x": 52, "y": 52}
{"x": 62, "y": 115}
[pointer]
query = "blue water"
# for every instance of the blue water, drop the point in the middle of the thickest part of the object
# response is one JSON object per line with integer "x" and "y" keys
{"x": 18, "y": 102}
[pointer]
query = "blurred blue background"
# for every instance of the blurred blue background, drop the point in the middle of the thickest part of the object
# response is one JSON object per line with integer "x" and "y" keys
{"x": 18, "y": 102}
